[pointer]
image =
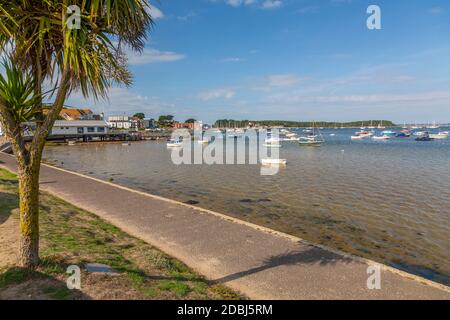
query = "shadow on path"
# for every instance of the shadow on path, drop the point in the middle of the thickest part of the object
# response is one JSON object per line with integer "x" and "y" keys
{"x": 308, "y": 255}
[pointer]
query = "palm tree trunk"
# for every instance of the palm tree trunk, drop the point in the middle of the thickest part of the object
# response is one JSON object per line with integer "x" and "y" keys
{"x": 29, "y": 213}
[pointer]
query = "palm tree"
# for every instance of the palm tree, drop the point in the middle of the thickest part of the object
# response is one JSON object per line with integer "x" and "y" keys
{"x": 44, "y": 50}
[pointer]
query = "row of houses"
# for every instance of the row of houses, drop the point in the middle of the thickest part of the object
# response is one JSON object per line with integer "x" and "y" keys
{"x": 83, "y": 122}
{"x": 131, "y": 123}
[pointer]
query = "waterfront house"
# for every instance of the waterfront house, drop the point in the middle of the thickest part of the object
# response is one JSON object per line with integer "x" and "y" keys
{"x": 149, "y": 124}
{"x": 76, "y": 114}
{"x": 183, "y": 125}
{"x": 120, "y": 122}
{"x": 73, "y": 128}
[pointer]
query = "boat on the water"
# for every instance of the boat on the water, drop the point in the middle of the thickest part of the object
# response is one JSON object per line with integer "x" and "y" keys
{"x": 389, "y": 133}
{"x": 271, "y": 162}
{"x": 362, "y": 135}
{"x": 310, "y": 143}
{"x": 173, "y": 143}
{"x": 403, "y": 134}
{"x": 440, "y": 135}
{"x": 425, "y": 138}
{"x": 381, "y": 138}
{"x": 312, "y": 139}
{"x": 272, "y": 145}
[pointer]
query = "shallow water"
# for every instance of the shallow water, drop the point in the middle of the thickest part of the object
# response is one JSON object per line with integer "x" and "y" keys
{"x": 388, "y": 201}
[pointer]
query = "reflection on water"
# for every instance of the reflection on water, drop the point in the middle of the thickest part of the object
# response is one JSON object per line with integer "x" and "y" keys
{"x": 388, "y": 201}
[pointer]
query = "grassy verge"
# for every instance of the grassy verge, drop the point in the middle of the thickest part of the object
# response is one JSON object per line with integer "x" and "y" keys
{"x": 71, "y": 236}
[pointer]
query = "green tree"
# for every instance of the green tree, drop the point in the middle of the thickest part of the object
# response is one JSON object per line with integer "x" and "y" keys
{"x": 45, "y": 47}
{"x": 165, "y": 120}
{"x": 191, "y": 120}
{"x": 139, "y": 115}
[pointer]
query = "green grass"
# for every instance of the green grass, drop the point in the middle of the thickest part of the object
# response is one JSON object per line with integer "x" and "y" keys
{"x": 73, "y": 236}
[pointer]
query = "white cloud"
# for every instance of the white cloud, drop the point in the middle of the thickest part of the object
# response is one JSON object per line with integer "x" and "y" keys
{"x": 122, "y": 100}
{"x": 232, "y": 59}
{"x": 283, "y": 80}
{"x": 266, "y": 4}
{"x": 150, "y": 55}
{"x": 155, "y": 13}
{"x": 436, "y": 10}
{"x": 365, "y": 99}
{"x": 271, "y": 4}
{"x": 276, "y": 82}
{"x": 216, "y": 94}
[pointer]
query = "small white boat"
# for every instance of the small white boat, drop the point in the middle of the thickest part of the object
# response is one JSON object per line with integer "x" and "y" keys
{"x": 272, "y": 145}
{"x": 291, "y": 135}
{"x": 380, "y": 138}
{"x": 72, "y": 143}
{"x": 292, "y": 139}
{"x": 126, "y": 144}
{"x": 440, "y": 135}
{"x": 270, "y": 162}
{"x": 362, "y": 135}
{"x": 272, "y": 140}
{"x": 174, "y": 143}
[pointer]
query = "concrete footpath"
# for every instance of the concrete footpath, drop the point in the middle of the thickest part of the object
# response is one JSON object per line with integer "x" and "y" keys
{"x": 258, "y": 262}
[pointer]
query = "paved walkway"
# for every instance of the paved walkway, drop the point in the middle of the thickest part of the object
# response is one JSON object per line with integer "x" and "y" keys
{"x": 260, "y": 263}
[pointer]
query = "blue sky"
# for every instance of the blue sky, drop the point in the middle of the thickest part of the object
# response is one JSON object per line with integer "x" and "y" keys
{"x": 292, "y": 60}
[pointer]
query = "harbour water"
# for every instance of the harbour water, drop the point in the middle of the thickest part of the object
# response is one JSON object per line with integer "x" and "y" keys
{"x": 385, "y": 200}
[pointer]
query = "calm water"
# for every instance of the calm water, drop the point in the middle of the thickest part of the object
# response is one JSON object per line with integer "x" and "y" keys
{"x": 388, "y": 201}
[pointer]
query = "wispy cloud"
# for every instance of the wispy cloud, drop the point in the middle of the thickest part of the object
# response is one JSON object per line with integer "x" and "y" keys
{"x": 436, "y": 10}
{"x": 271, "y": 4}
{"x": 283, "y": 80}
{"x": 122, "y": 100}
{"x": 212, "y": 94}
{"x": 155, "y": 13}
{"x": 150, "y": 55}
{"x": 232, "y": 60}
{"x": 263, "y": 4}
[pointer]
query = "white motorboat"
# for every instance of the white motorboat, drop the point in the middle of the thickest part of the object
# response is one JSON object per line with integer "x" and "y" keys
{"x": 291, "y": 139}
{"x": 272, "y": 140}
{"x": 381, "y": 138}
{"x": 173, "y": 143}
{"x": 272, "y": 145}
{"x": 440, "y": 135}
{"x": 271, "y": 162}
{"x": 362, "y": 135}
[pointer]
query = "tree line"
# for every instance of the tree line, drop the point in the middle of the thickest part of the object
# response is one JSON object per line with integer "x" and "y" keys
{"x": 230, "y": 123}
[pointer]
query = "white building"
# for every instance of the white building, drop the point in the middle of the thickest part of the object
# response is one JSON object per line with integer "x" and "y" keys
{"x": 72, "y": 128}
{"x": 80, "y": 127}
{"x": 120, "y": 122}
